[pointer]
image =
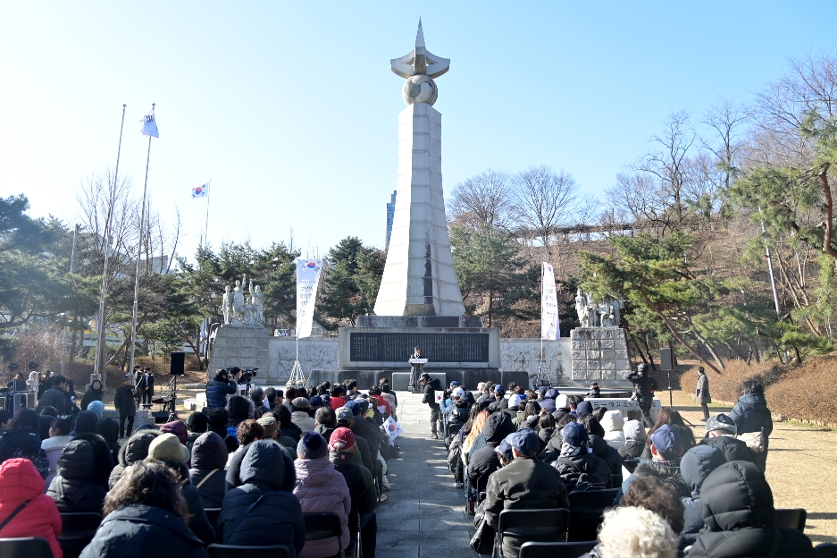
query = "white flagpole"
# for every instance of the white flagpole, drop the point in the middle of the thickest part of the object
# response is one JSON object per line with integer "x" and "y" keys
{"x": 98, "y": 366}
{"x": 139, "y": 252}
{"x": 206, "y": 225}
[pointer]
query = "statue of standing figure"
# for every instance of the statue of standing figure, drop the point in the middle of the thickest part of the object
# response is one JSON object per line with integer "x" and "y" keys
{"x": 240, "y": 310}
{"x": 591, "y": 314}
{"x": 258, "y": 305}
{"x": 227, "y": 305}
{"x": 238, "y": 303}
{"x": 582, "y": 309}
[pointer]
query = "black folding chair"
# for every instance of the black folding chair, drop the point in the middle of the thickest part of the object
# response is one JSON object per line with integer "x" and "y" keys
{"x": 792, "y": 518}
{"x": 239, "y": 551}
{"x": 77, "y": 530}
{"x": 326, "y": 525}
{"x": 212, "y": 515}
{"x": 556, "y": 549}
{"x": 826, "y": 550}
{"x": 587, "y": 507}
{"x": 30, "y": 547}
{"x": 532, "y": 526}
{"x": 616, "y": 480}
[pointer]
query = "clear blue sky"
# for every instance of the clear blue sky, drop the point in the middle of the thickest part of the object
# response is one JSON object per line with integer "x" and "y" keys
{"x": 291, "y": 108}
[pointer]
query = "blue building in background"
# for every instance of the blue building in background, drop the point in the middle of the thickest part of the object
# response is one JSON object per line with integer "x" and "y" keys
{"x": 390, "y": 216}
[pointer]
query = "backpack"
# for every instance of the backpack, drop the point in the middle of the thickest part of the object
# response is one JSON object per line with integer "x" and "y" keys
{"x": 39, "y": 459}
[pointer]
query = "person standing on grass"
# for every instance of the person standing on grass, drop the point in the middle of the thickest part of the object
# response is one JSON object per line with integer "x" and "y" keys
{"x": 702, "y": 393}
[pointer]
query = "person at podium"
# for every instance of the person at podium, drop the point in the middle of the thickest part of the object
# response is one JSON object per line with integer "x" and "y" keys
{"x": 415, "y": 369}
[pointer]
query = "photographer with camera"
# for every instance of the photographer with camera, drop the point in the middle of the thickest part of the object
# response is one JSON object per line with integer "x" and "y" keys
{"x": 220, "y": 386}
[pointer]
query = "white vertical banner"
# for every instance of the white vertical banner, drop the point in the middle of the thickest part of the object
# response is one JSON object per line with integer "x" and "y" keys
{"x": 550, "y": 325}
{"x": 307, "y": 278}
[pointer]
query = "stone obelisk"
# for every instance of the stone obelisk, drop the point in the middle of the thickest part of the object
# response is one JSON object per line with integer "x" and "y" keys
{"x": 419, "y": 278}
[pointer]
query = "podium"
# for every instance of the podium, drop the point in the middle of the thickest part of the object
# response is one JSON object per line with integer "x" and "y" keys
{"x": 418, "y": 361}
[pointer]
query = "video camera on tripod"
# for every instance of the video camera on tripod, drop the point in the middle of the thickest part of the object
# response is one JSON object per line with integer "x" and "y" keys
{"x": 247, "y": 375}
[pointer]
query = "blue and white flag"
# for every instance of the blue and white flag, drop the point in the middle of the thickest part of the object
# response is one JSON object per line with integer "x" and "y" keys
{"x": 149, "y": 125}
{"x": 307, "y": 279}
{"x": 201, "y": 191}
{"x": 550, "y": 325}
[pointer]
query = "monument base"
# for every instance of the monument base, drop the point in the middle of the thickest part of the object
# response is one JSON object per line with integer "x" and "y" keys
{"x": 600, "y": 354}
{"x": 242, "y": 346}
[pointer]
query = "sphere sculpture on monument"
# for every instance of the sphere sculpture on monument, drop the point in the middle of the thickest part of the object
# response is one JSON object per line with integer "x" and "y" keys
{"x": 420, "y": 89}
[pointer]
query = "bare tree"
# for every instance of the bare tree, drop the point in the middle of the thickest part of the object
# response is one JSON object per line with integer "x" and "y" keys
{"x": 483, "y": 199}
{"x": 543, "y": 201}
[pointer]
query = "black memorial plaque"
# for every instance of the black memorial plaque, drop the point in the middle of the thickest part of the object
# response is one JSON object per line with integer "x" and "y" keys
{"x": 438, "y": 347}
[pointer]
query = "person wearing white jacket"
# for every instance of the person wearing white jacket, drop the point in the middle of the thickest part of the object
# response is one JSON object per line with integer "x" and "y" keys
{"x": 613, "y": 422}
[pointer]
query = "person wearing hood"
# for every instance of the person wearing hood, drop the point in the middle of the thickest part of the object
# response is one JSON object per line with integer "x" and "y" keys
{"x": 219, "y": 422}
{"x": 108, "y": 429}
{"x": 598, "y": 446}
{"x": 548, "y": 403}
{"x": 750, "y": 414}
{"x": 267, "y": 470}
{"x": 635, "y": 436}
{"x": 458, "y": 417}
{"x": 484, "y": 461}
{"x": 695, "y": 466}
{"x": 562, "y": 407}
{"x": 430, "y": 387}
{"x": 240, "y": 408}
{"x": 97, "y": 407}
{"x": 321, "y": 488}
{"x": 145, "y": 515}
{"x": 248, "y": 432}
{"x": 740, "y": 519}
{"x": 300, "y": 416}
{"x": 134, "y": 450}
{"x": 83, "y": 470}
{"x": 197, "y": 423}
{"x": 342, "y": 449}
{"x": 85, "y": 422}
{"x": 21, "y": 485}
{"x": 577, "y": 465}
{"x": 218, "y": 388}
{"x": 613, "y": 422}
{"x": 720, "y": 433}
{"x": 94, "y": 393}
{"x": 23, "y": 436}
{"x": 209, "y": 456}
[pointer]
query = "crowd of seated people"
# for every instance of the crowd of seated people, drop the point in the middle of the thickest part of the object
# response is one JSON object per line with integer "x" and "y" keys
{"x": 244, "y": 472}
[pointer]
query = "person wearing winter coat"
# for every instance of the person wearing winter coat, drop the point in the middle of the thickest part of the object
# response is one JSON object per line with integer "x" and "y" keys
{"x": 644, "y": 388}
{"x": 217, "y": 390}
{"x": 85, "y": 422}
{"x": 108, "y": 429}
{"x": 575, "y": 464}
{"x": 430, "y": 387}
{"x": 59, "y": 436}
{"x": 485, "y": 461}
{"x": 94, "y": 393}
{"x": 145, "y": 515}
{"x": 635, "y": 437}
{"x": 299, "y": 415}
{"x": 613, "y": 422}
{"x": 549, "y": 400}
{"x": 720, "y": 434}
{"x": 286, "y": 424}
{"x": 56, "y": 397}
{"x": 219, "y": 421}
{"x": 134, "y": 450}
{"x": 321, "y": 488}
{"x": 124, "y": 402}
{"x": 342, "y": 449}
{"x": 750, "y": 414}
{"x": 23, "y": 437}
{"x": 740, "y": 519}
{"x": 209, "y": 456}
{"x": 267, "y": 470}
{"x": 695, "y": 466}
{"x": 702, "y": 395}
{"x": 83, "y": 471}
{"x": 20, "y": 482}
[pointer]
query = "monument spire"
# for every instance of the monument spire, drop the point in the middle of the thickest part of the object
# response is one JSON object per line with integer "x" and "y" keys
{"x": 420, "y": 61}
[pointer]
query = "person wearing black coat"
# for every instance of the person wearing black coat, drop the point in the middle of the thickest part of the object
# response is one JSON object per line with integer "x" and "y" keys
{"x": 217, "y": 390}
{"x": 484, "y": 461}
{"x": 644, "y": 388}
{"x": 209, "y": 457}
{"x": 219, "y": 420}
{"x": 108, "y": 429}
{"x": 606, "y": 453}
{"x": 93, "y": 393}
{"x": 23, "y": 435}
{"x": 740, "y": 519}
{"x": 83, "y": 470}
{"x": 695, "y": 466}
{"x": 199, "y": 523}
{"x": 57, "y": 397}
{"x": 124, "y": 402}
{"x": 275, "y": 519}
{"x": 145, "y": 386}
{"x": 575, "y": 464}
{"x": 361, "y": 489}
{"x": 430, "y": 386}
{"x": 751, "y": 414}
{"x": 134, "y": 450}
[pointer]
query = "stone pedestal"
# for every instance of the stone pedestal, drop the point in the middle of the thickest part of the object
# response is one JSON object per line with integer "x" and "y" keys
{"x": 600, "y": 354}
{"x": 242, "y": 346}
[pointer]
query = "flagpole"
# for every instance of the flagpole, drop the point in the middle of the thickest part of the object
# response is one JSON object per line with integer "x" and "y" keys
{"x": 139, "y": 251}
{"x": 100, "y": 341}
{"x": 206, "y": 225}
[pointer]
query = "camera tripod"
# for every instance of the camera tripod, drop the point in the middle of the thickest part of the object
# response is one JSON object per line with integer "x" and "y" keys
{"x": 170, "y": 400}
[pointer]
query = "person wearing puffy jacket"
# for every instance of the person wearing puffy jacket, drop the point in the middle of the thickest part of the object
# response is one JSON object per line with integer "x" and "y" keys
{"x": 751, "y": 414}
{"x": 321, "y": 488}
{"x": 266, "y": 468}
{"x": 613, "y": 422}
{"x": 217, "y": 390}
{"x": 23, "y": 436}
{"x": 134, "y": 450}
{"x": 209, "y": 456}
{"x": 695, "y": 466}
{"x": 635, "y": 438}
{"x": 20, "y": 482}
{"x": 83, "y": 471}
{"x": 485, "y": 461}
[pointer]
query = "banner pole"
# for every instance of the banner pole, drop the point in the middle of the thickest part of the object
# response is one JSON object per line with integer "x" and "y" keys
{"x": 206, "y": 224}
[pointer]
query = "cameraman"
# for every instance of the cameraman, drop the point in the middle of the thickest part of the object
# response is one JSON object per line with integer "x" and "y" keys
{"x": 220, "y": 386}
{"x": 644, "y": 388}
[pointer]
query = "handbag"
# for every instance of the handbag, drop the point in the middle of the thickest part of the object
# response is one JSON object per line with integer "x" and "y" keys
{"x": 13, "y": 514}
{"x": 483, "y": 540}
{"x": 756, "y": 441}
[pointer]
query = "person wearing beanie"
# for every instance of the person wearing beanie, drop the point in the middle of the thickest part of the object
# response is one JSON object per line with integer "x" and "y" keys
{"x": 209, "y": 457}
{"x": 83, "y": 470}
{"x": 178, "y": 428}
{"x": 271, "y": 428}
{"x": 300, "y": 416}
{"x": 97, "y": 407}
{"x": 342, "y": 449}
{"x": 644, "y": 388}
{"x": 321, "y": 488}
{"x": 277, "y": 519}
{"x": 527, "y": 483}
{"x": 720, "y": 433}
{"x": 85, "y": 422}
{"x": 167, "y": 446}
{"x": 635, "y": 436}
{"x": 576, "y": 465}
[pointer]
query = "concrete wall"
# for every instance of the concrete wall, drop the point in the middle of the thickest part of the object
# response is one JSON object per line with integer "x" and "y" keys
{"x": 314, "y": 353}
{"x": 521, "y": 355}
{"x": 242, "y": 346}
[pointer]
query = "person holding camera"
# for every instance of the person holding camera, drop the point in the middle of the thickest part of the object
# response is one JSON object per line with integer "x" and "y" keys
{"x": 219, "y": 387}
{"x": 644, "y": 388}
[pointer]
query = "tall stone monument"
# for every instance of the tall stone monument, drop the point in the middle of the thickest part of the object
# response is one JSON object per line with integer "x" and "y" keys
{"x": 419, "y": 278}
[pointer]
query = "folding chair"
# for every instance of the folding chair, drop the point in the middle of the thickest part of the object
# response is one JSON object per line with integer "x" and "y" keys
{"x": 77, "y": 530}
{"x": 320, "y": 526}
{"x": 556, "y": 549}
{"x": 587, "y": 507}
{"x": 238, "y": 551}
{"x": 616, "y": 480}
{"x": 30, "y": 547}
{"x": 532, "y": 526}
{"x": 826, "y": 550}
{"x": 212, "y": 515}
{"x": 792, "y": 518}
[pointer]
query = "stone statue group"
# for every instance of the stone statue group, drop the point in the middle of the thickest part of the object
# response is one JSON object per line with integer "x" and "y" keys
{"x": 590, "y": 314}
{"x": 237, "y": 310}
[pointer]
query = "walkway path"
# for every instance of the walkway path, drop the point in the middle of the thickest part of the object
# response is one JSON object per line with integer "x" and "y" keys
{"x": 423, "y": 515}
